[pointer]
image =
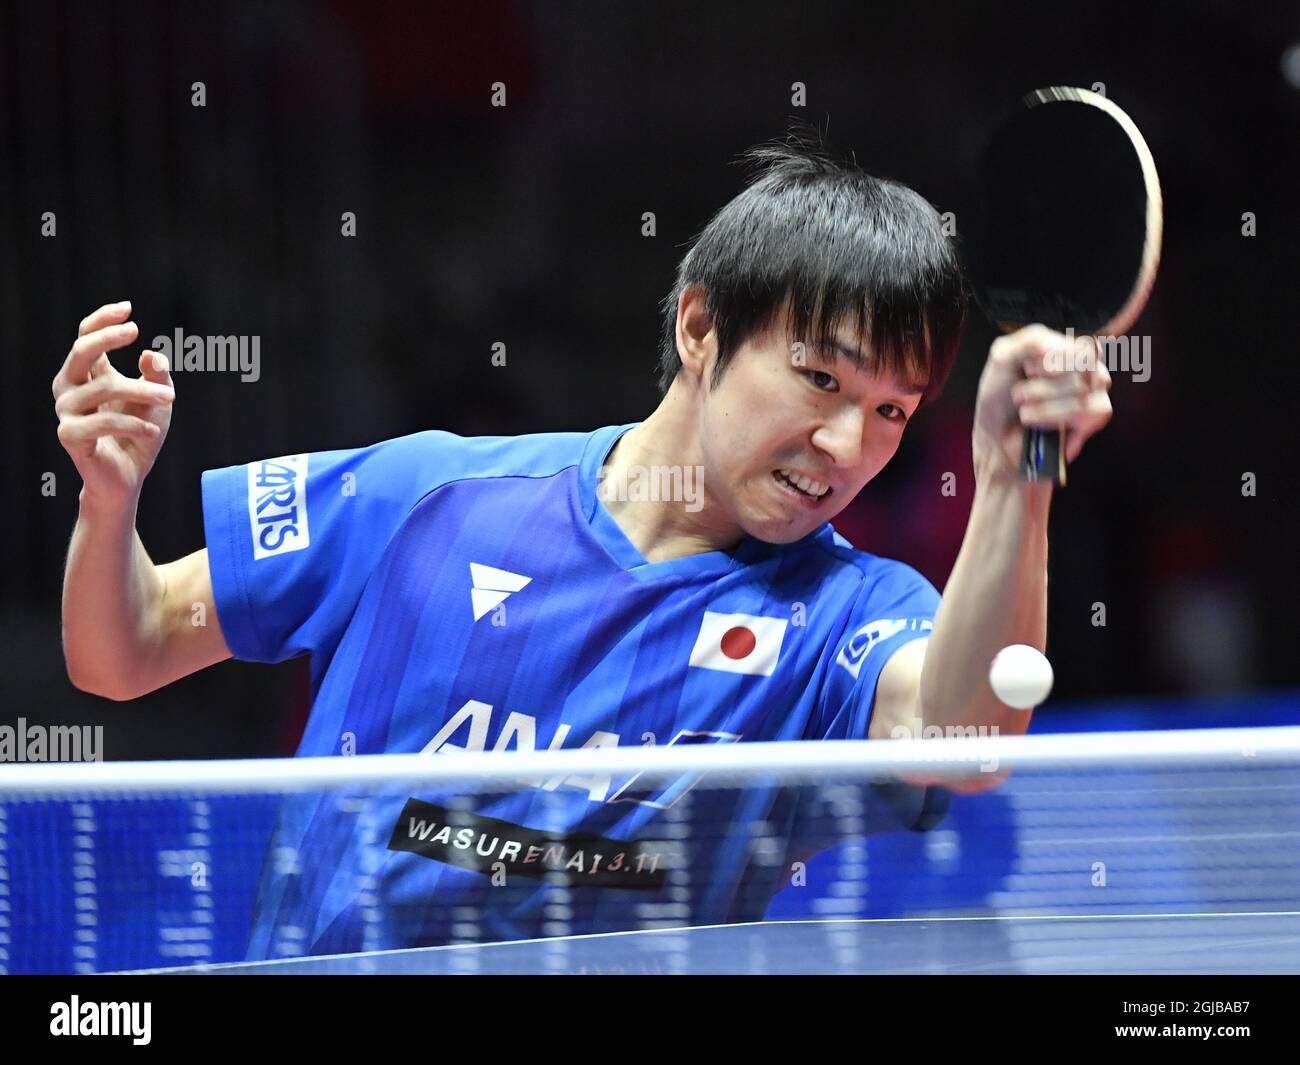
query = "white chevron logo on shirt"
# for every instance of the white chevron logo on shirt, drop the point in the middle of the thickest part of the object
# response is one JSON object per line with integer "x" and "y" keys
{"x": 492, "y": 586}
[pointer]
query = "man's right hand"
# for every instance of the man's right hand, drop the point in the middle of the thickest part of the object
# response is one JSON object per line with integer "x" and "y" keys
{"x": 111, "y": 425}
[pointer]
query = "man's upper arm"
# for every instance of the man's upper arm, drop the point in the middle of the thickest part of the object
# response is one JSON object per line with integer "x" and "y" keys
{"x": 897, "y": 715}
{"x": 898, "y": 694}
{"x": 190, "y": 636}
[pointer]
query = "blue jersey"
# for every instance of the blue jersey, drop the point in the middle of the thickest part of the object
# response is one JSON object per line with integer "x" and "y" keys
{"x": 476, "y": 594}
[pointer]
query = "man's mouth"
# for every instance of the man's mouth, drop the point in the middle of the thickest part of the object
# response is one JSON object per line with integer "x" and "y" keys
{"x": 805, "y": 487}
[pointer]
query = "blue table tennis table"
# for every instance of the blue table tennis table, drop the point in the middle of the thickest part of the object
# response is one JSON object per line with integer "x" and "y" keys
{"x": 1102, "y": 944}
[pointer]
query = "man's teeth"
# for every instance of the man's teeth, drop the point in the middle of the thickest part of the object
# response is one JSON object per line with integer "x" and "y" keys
{"x": 805, "y": 484}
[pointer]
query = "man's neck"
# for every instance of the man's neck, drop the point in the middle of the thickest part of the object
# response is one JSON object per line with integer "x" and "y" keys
{"x": 665, "y": 528}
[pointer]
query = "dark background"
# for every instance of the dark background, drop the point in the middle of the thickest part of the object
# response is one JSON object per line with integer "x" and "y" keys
{"x": 522, "y": 225}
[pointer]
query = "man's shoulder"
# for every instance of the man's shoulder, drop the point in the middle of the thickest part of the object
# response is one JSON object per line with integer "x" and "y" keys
{"x": 433, "y": 458}
{"x": 521, "y": 455}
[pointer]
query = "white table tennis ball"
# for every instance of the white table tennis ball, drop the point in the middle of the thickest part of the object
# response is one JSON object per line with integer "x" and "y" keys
{"x": 1021, "y": 676}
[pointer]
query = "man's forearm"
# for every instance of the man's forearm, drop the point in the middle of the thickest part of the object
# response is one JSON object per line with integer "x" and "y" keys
{"x": 111, "y": 597}
{"x": 996, "y": 596}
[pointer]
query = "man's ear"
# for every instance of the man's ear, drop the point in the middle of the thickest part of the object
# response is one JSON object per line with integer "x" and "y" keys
{"x": 697, "y": 343}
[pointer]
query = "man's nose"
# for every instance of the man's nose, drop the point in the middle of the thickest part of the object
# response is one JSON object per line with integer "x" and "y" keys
{"x": 841, "y": 437}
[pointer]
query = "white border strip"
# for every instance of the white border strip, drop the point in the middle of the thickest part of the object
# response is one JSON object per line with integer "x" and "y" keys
{"x": 790, "y": 761}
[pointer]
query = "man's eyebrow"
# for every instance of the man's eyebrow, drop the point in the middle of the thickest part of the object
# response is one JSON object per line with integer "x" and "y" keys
{"x": 860, "y": 360}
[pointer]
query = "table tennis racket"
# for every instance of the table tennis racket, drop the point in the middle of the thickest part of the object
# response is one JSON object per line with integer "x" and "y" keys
{"x": 1069, "y": 229}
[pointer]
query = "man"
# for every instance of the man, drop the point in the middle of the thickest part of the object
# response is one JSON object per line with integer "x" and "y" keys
{"x": 671, "y": 581}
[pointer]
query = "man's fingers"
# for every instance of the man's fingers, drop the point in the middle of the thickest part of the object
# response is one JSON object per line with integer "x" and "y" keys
{"x": 1036, "y": 351}
{"x": 87, "y": 349}
{"x": 1090, "y": 411}
{"x": 1099, "y": 378}
{"x": 154, "y": 367}
{"x": 79, "y": 432}
{"x": 110, "y": 387}
{"x": 1023, "y": 341}
{"x": 1027, "y": 343}
{"x": 1057, "y": 386}
{"x": 1055, "y": 381}
{"x": 106, "y": 315}
{"x": 1061, "y": 356}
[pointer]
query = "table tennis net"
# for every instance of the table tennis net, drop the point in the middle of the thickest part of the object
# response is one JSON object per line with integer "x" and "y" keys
{"x": 118, "y": 866}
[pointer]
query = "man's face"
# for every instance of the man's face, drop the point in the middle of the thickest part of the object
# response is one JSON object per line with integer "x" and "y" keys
{"x": 784, "y": 412}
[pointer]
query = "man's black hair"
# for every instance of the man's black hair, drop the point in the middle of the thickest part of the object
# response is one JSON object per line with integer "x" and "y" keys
{"x": 843, "y": 247}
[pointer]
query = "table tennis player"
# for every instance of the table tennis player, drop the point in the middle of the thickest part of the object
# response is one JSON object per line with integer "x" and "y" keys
{"x": 676, "y": 580}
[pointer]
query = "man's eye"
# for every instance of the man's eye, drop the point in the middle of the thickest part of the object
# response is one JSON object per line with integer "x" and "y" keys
{"x": 823, "y": 381}
{"x": 893, "y": 412}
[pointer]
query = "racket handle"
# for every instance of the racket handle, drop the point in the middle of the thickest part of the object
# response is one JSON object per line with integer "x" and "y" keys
{"x": 1042, "y": 458}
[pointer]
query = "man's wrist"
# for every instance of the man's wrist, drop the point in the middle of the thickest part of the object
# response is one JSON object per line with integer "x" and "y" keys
{"x": 997, "y": 481}
{"x": 99, "y": 509}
